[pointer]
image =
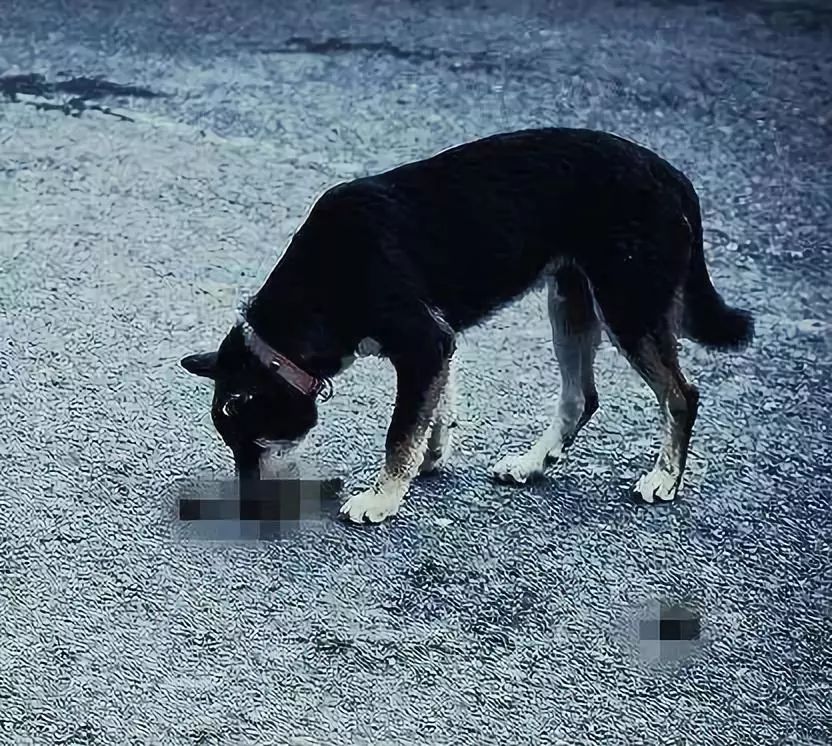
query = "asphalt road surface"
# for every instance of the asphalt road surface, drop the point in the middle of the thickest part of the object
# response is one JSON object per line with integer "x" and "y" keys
{"x": 483, "y": 614}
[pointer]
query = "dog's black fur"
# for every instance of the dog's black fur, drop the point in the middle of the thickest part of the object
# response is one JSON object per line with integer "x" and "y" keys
{"x": 412, "y": 256}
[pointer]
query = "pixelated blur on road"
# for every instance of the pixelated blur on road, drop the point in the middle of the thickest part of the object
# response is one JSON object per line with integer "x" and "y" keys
{"x": 482, "y": 614}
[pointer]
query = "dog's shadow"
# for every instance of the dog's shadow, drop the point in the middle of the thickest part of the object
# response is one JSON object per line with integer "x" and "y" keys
{"x": 214, "y": 508}
{"x": 568, "y": 499}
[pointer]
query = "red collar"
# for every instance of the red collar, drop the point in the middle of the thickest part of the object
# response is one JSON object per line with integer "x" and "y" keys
{"x": 281, "y": 365}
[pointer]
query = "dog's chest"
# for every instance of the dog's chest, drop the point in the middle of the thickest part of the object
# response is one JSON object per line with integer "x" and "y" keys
{"x": 367, "y": 347}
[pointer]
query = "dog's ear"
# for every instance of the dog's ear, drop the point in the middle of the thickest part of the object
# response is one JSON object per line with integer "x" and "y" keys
{"x": 202, "y": 364}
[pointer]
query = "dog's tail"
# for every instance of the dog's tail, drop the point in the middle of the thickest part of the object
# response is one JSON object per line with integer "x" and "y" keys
{"x": 707, "y": 319}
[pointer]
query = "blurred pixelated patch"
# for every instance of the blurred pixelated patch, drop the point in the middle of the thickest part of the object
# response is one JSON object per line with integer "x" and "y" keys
{"x": 221, "y": 509}
{"x": 669, "y": 631}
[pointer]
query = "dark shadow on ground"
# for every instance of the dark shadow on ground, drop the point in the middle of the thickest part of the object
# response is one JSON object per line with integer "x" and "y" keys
{"x": 81, "y": 90}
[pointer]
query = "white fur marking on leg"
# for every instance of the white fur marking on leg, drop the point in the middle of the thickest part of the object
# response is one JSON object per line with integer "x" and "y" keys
{"x": 375, "y": 504}
{"x": 663, "y": 481}
{"x": 658, "y": 484}
{"x": 384, "y": 499}
{"x": 438, "y": 449}
{"x": 519, "y": 468}
{"x": 575, "y": 359}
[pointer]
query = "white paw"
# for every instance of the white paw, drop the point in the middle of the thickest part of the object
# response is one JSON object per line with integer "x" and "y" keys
{"x": 372, "y": 506}
{"x": 518, "y": 469}
{"x": 657, "y": 485}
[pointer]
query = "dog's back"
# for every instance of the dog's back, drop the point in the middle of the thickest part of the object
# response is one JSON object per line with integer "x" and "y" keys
{"x": 475, "y": 226}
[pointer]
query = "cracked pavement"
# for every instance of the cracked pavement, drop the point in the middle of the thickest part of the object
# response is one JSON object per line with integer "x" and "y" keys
{"x": 483, "y": 613}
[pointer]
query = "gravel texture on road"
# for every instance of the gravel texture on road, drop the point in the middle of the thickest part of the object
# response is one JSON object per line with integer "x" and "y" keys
{"x": 483, "y": 614}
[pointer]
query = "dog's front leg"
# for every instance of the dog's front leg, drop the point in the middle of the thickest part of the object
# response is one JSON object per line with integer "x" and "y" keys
{"x": 439, "y": 440}
{"x": 421, "y": 381}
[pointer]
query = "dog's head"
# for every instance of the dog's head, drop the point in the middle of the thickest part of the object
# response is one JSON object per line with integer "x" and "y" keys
{"x": 254, "y": 410}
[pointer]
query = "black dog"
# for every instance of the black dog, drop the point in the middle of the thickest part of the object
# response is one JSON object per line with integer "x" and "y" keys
{"x": 398, "y": 263}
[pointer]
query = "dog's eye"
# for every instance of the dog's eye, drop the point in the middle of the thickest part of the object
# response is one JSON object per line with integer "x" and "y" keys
{"x": 233, "y": 404}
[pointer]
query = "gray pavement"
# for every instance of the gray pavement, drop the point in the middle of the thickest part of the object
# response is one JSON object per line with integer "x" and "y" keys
{"x": 483, "y": 614}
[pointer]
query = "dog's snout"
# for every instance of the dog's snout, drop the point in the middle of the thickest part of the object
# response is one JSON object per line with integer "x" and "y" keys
{"x": 247, "y": 461}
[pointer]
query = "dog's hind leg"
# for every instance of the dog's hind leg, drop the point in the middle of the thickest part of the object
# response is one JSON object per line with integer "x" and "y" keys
{"x": 654, "y": 357}
{"x": 439, "y": 442}
{"x": 576, "y": 334}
